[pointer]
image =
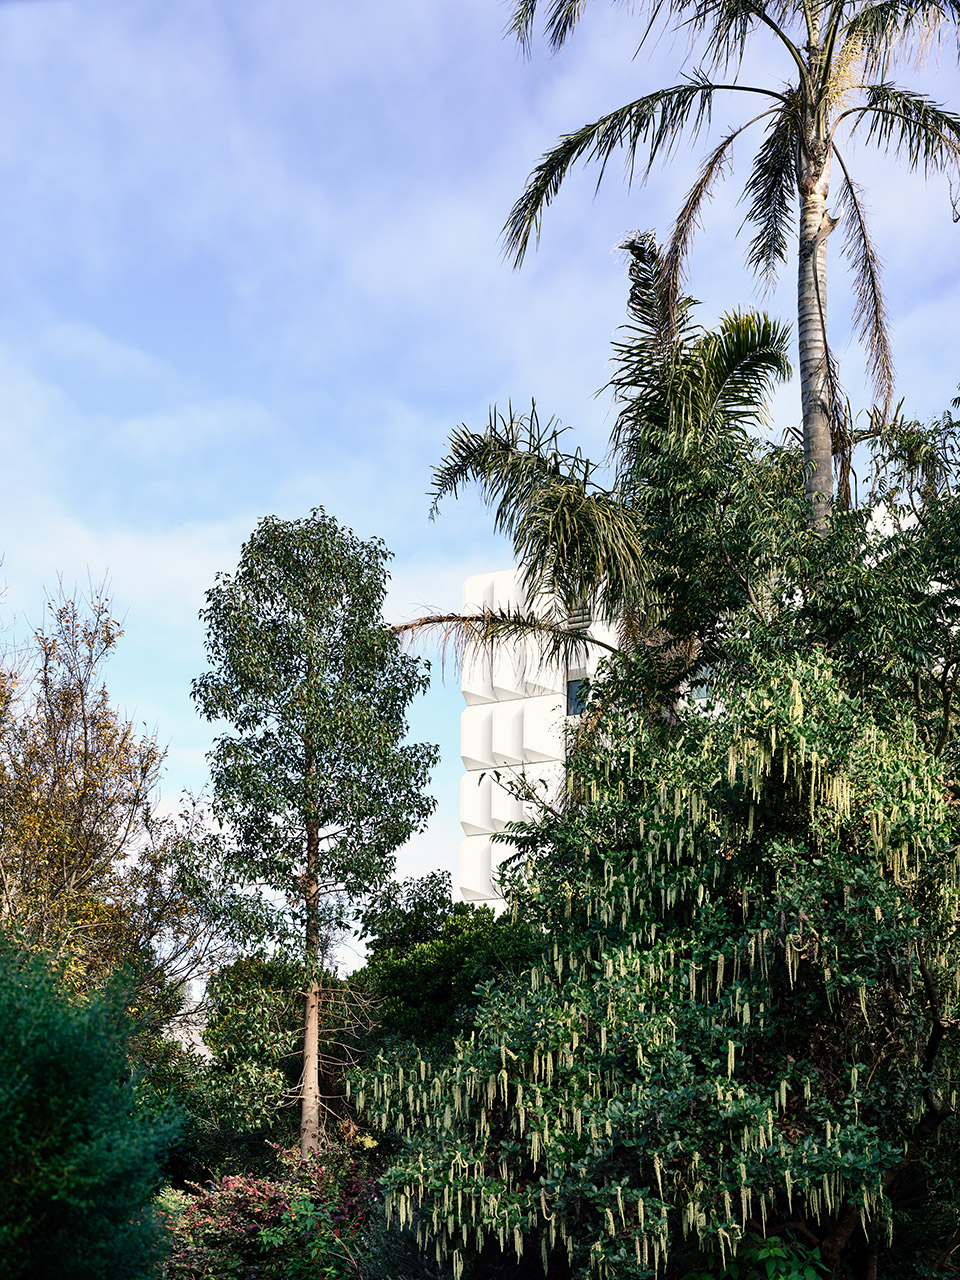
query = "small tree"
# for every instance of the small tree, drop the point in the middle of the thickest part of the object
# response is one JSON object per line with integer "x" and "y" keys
{"x": 88, "y": 875}
{"x": 81, "y": 1157}
{"x": 427, "y": 956}
{"x": 314, "y": 787}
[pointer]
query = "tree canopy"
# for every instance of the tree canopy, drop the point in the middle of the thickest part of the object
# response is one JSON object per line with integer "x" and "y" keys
{"x": 834, "y": 61}
{"x": 314, "y": 785}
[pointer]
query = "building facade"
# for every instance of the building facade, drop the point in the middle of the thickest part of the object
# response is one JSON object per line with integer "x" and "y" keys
{"x": 512, "y": 731}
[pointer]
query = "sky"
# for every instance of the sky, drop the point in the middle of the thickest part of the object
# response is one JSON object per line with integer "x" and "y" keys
{"x": 250, "y": 264}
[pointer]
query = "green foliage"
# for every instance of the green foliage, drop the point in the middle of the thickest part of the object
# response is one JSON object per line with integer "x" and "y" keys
{"x": 745, "y": 1016}
{"x": 681, "y": 451}
{"x": 315, "y": 688}
{"x": 304, "y": 1221}
{"x": 81, "y": 1156}
{"x": 406, "y": 912}
{"x": 253, "y": 1029}
{"x": 768, "y": 1258}
{"x": 427, "y": 956}
{"x": 836, "y": 70}
{"x": 245, "y": 1094}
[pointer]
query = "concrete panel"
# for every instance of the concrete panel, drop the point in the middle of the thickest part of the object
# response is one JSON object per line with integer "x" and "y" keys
{"x": 476, "y": 790}
{"x": 544, "y": 721}
{"x": 507, "y": 735}
{"x": 476, "y": 865}
{"x": 476, "y": 736}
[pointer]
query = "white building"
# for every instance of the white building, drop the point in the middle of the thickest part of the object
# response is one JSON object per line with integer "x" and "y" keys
{"x": 513, "y": 730}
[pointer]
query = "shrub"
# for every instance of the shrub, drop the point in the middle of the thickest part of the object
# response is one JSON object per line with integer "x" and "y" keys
{"x": 305, "y": 1221}
{"x": 80, "y": 1159}
{"x": 427, "y": 955}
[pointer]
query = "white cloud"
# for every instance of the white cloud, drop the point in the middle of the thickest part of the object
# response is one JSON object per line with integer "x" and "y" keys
{"x": 252, "y": 264}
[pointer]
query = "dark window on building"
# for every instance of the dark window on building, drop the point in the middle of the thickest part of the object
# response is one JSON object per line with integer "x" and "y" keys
{"x": 701, "y": 687}
{"x": 577, "y": 692}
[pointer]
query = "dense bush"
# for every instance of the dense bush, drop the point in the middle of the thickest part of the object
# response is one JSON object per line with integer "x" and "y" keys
{"x": 745, "y": 1019}
{"x": 427, "y": 956}
{"x": 80, "y": 1159}
{"x": 305, "y": 1220}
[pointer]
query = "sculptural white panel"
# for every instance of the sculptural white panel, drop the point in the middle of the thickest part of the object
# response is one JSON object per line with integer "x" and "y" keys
{"x": 476, "y": 867}
{"x": 504, "y": 807}
{"x": 544, "y": 725}
{"x": 476, "y": 736}
{"x": 507, "y": 735}
{"x": 476, "y": 791}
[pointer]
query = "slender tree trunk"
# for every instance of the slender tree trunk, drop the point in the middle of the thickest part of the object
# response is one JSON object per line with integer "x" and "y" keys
{"x": 310, "y": 1088}
{"x": 816, "y": 388}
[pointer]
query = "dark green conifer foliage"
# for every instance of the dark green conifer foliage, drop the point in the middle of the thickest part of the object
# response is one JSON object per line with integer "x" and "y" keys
{"x": 81, "y": 1159}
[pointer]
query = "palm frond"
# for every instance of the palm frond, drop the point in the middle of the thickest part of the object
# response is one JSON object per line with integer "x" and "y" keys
{"x": 521, "y": 23}
{"x": 459, "y": 635}
{"x": 658, "y": 319}
{"x": 740, "y": 363}
{"x": 878, "y": 32}
{"x": 576, "y": 544}
{"x": 661, "y": 326}
{"x": 688, "y": 219}
{"x": 674, "y": 377}
{"x": 572, "y": 538}
{"x": 729, "y": 24}
{"x": 910, "y": 125}
{"x": 771, "y": 190}
{"x": 869, "y": 309}
{"x": 508, "y": 461}
{"x": 654, "y": 122}
{"x": 562, "y": 17}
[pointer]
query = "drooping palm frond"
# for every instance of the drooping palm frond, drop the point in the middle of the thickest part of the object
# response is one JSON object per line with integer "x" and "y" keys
{"x": 521, "y": 23}
{"x": 771, "y": 190}
{"x": 577, "y": 544}
{"x": 688, "y": 219}
{"x": 573, "y": 538}
{"x": 869, "y": 310}
{"x": 654, "y": 122}
{"x": 729, "y": 24}
{"x": 562, "y": 16}
{"x": 460, "y": 635}
{"x": 910, "y": 125}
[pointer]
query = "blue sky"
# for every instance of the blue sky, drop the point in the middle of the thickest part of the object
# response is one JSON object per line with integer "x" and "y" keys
{"x": 250, "y": 265}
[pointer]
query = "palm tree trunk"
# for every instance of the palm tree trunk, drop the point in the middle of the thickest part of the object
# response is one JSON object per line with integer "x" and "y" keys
{"x": 310, "y": 1088}
{"x": 816, "y": 386}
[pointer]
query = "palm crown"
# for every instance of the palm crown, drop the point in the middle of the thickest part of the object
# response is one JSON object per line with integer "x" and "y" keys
{"x": 840, "y": 56}
{"x": 687, "y": 398}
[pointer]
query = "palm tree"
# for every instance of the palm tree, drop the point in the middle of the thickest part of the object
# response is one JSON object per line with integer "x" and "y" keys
{"x": 685, "y": 394}
{"x": 840, "y": 55}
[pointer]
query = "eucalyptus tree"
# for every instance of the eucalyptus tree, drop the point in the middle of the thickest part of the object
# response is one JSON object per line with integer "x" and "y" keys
{"x": 838, "y": 57}
{"x": 313, "y": 783}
